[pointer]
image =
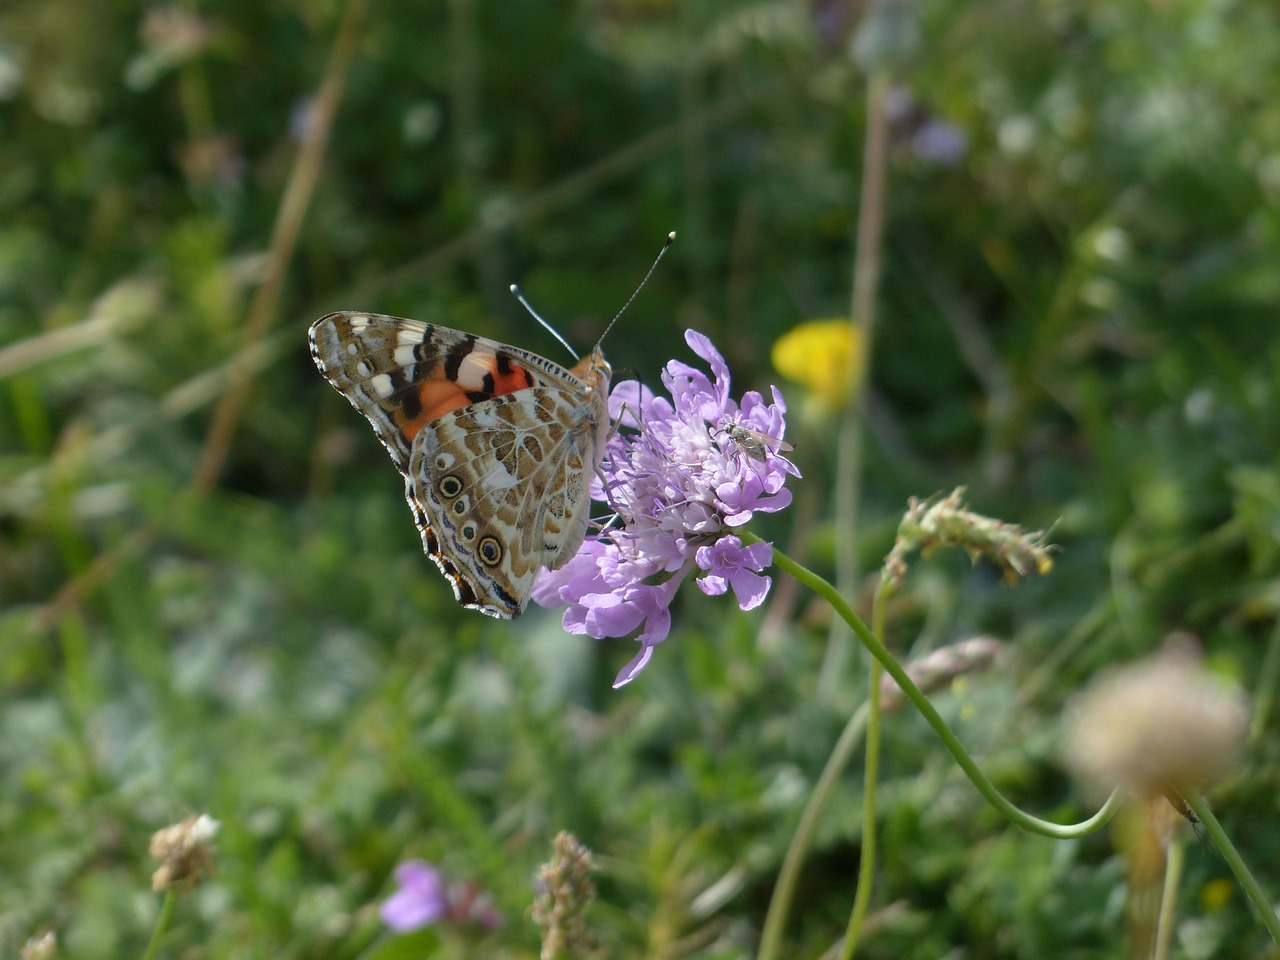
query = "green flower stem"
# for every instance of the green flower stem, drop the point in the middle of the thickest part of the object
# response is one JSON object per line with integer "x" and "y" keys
{"x": 162, "y": 922}
{"x": 193, "y": 92}
{"x": 1174, "y": 862}
{"x": 878, "y": 650}
{"x": 1264, "y": 694}
{"x": 1261, "y": 902}
{"x": 780, "y": 904}
{"x": 870, "y": 781}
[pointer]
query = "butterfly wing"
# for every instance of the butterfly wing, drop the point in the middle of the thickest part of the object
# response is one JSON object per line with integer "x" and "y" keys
{"x": 402, "y": 374}
{"x": 496, "y": 444}
{"x": 500, "y": 489}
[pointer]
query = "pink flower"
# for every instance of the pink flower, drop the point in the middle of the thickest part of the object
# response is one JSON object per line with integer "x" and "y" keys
{"x": 679, "y": 485}
{"x": 424, "y": 899}
{"x": 420, "y": 901}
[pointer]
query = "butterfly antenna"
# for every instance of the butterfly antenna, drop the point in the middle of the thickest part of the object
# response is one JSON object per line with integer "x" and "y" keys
{"x": 515, "y": 291}
{"x": 671, "y": 238}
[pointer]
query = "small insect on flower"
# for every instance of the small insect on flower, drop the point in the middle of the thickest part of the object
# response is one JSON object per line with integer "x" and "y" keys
{"x": 755, "y": 444}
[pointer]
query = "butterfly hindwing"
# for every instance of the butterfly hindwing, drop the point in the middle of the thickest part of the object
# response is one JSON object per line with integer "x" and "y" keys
{"x": 503, "y": 487}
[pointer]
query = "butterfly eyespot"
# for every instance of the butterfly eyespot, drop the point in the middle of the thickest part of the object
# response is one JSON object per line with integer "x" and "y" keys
{"x": 460, "y": 507}
{"x": 468, "y": 532}
{"x": 490, "y": 551}
{"x": 449, "y": 487}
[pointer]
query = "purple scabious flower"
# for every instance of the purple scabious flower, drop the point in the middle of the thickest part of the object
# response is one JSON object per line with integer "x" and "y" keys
{"x": 696, "y": 467}
{"x": 421, "y": 900}
{"x": 424, "y": 898}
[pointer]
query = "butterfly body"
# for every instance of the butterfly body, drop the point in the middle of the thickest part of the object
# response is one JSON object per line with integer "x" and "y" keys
{"x": 497, "y": 445}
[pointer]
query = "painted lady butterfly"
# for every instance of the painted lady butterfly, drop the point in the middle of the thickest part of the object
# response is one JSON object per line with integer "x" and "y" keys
{"x": 496, "y": 444}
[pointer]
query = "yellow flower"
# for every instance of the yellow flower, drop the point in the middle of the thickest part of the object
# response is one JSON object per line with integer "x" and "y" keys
{"x": 1216, "y": 894}
{"x": 819, "y": 355}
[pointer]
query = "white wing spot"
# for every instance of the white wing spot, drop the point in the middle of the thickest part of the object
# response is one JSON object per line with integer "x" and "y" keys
{"x": 409, "y": 338}
{"x": 404, "y": 355}
{"x": 381, "y": 385}
{"x": 352, "y": 349}
{"x": 363, "y": 369}
{"x": 358, "y": 323}
{"x": 498, "y": 479}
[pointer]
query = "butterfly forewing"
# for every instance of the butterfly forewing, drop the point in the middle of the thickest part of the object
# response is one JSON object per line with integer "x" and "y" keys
{"x": 402, "y": 374}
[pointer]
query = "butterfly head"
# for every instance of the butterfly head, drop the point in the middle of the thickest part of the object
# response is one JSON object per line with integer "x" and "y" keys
{"x": 594, "y": 371}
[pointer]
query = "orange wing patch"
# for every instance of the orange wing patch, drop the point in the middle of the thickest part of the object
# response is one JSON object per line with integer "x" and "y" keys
{"x": 436, "y": 398}
{"x": 473, "y": 376}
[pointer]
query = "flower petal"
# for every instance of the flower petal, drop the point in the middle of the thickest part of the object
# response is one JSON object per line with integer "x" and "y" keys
{"x": 633, "y": 668}
{"x": 713, "y": 586}
{"x": 750, "y": 588}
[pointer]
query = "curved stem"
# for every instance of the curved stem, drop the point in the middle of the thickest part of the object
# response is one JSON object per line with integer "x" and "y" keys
{"x": 780, "y": 903}
{"x": 1252, "y": 889}
{"x": 913, "y": 693}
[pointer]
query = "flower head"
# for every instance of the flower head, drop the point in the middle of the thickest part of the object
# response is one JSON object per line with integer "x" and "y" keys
{"x": 424, "y": 898}
{"x": 43, "y": 947}
{"x": 1164, "y": 722}
{"x": 565, "y": 892}
{"x": 420, "y": 901}
{"x": 185, "y": 852}
{"x": 946, "y": 522}
{"x": 697, "y": 466}
{"x": 821, "y": 355}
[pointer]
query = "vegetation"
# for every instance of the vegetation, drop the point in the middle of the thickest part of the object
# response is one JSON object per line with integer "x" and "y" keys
{"x": 1065, "y": 220}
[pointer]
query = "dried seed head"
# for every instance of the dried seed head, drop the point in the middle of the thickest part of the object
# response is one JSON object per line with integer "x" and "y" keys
{"x": 939, "y": 667}
{"x": 44, "y": 947}
{"x": 1163, "y": 722}
{"x": 185, "y": 852}
{"x": 565, "y": 890}
{"x": 947, "y": 522}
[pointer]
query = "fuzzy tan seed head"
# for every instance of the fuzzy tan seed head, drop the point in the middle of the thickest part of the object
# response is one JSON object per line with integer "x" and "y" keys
{"x": 1161, "y": 722}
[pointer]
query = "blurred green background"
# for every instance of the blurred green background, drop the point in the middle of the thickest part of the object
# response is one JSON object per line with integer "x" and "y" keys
{"x": 1078, "y": 318}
